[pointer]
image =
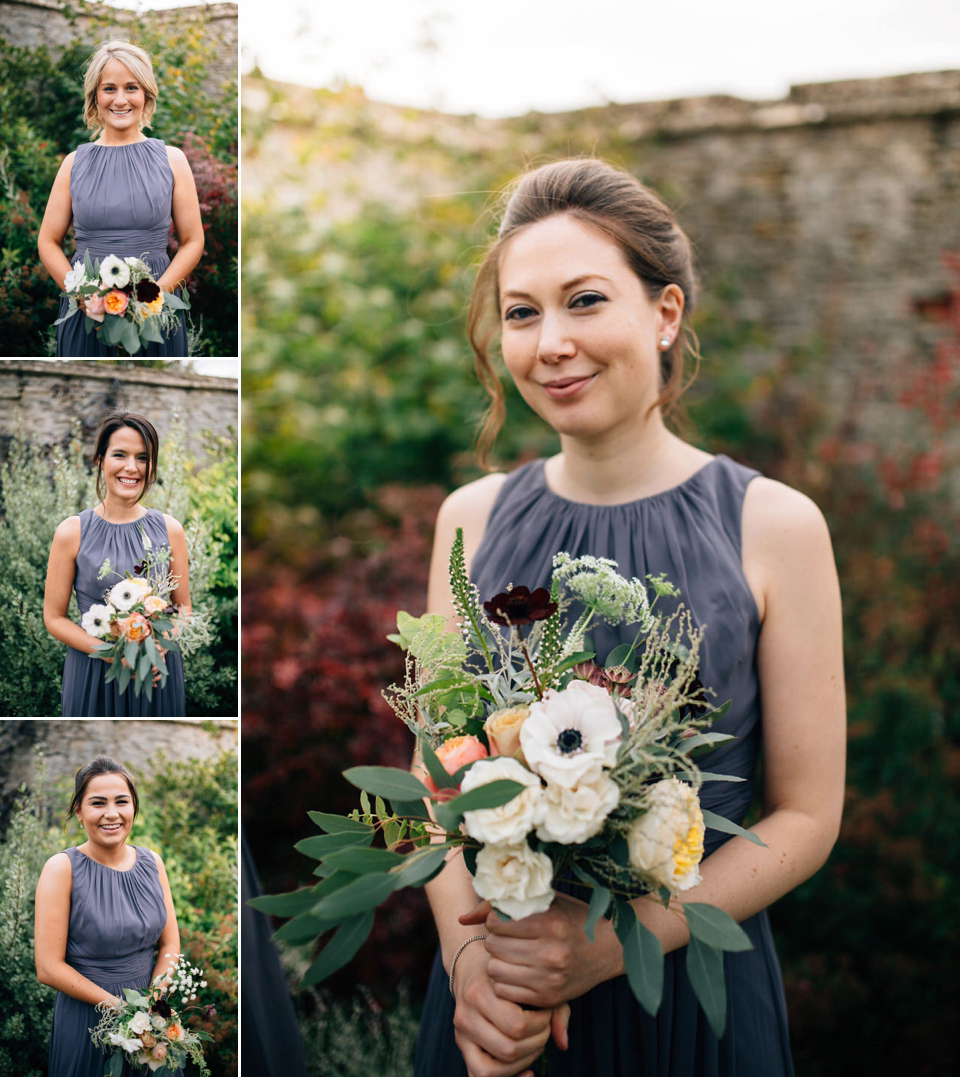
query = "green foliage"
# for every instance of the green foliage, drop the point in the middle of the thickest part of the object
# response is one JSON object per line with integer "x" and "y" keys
{"x": 26, "y": 1005}
{"x": 37, "y": 492}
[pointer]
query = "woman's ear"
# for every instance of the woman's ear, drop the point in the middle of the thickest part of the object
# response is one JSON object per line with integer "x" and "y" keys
{"x": 670, "y": 311}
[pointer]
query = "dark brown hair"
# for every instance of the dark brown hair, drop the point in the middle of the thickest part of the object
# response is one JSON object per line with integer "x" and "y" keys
{"x": 110, "y": 425}
{"x": 103, "y": 764}
{"x": 654, "y": 245}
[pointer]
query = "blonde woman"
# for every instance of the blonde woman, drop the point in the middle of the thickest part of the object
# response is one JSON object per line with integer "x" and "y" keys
{"x": 120, "y": 192}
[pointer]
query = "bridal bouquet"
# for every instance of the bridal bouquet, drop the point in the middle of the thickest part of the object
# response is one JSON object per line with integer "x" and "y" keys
{"x": 121, "y": 301}
{"x": 138, "y": 623}
{"x": 147, "y": 1032}
{"x": 539, "y": 764}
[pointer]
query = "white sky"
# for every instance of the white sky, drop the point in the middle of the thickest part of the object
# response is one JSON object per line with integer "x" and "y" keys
{"x": 506, "y": 57}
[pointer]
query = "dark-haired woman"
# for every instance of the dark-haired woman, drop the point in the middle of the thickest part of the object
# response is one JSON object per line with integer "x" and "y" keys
{"x": 120, "y": 193}
{"x": 114, "y": 530}
{"x": 104, "y": 917}
{"x": 588, "y": 287}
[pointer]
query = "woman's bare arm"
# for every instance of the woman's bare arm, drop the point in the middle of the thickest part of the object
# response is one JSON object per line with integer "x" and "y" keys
{"x": 56, "y": 221}
{"x": 168, "y": 946}
{"x": 51, "y": 926}
{"x": 187, "y": 223}
{"x": 61, "y": 569}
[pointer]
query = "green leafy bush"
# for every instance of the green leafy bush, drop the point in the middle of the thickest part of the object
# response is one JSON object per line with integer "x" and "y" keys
{"x": 31, "y": 661}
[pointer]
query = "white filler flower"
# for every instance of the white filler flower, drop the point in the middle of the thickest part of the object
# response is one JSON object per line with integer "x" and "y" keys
{"x": 511, "y": 822}
{"x": 126, "y": 593}
{"x": 571, "y": 734}
{"x": 666, "y": 843}
{"x": 114, "y": 272}
{"x": 96, "y": 621}
{"x": 515, "y": 879}
{"x": 574, "y": 815}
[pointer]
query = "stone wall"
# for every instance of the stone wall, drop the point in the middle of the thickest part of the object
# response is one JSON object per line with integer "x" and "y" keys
{"x": 67, "y": 745}
{"x": 45, "y": 22}
{"x": 47, "y": 397}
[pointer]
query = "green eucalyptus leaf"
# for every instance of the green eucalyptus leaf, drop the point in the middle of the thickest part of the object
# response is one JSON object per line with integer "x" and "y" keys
{"x": 705, "y": 970}
{"x": 716, "y": 927}
{"x": 717, "y": 822}
{"x": 361, "y": 894}
{"x": 321, "y": 845}
{"x": 642, "y": 957}
{"x": 389, "y": 782}
{"x": 363, "y": 861}
{"x": 349, "y": 937}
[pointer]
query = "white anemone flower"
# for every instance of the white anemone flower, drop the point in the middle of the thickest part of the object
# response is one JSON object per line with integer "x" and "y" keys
{"x": 129, "y": 1044}
{"x": 571, "y": 734}
{"x": 511, "y": 822}
{"x": 114, "y": 272}
{"x": 96, "y": 621}
{"x": 515, "y": 879}
{"x": 570, "y": 816}
{"x": 125, "y": 594}
{"x": 666, "y": 843}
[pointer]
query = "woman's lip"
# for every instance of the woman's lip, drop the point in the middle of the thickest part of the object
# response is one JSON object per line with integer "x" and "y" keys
{"x": 566, "y": 387}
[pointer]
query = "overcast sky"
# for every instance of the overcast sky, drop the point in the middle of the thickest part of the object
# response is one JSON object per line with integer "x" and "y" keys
{"x": 506, "y": 57}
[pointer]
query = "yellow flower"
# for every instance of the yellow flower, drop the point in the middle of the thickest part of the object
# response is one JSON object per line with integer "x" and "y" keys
{"x": 666, "y": 842}
{"x": 154, "y": 306}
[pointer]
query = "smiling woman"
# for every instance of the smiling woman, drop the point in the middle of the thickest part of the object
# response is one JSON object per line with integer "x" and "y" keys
{"x": 120, "y": 193}
{"x": 113, "y": 547}
{"x": 104, "y": 917}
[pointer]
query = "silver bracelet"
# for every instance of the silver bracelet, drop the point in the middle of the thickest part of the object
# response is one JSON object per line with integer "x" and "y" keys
{"x": 453, "y": 963}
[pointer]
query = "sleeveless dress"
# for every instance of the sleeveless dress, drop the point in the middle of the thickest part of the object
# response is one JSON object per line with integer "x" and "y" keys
{"x": 692, "y": 533}
{"x": 121, "y": 199}
{"x": 116, "y": 918}
{"x": 85, "y": 691}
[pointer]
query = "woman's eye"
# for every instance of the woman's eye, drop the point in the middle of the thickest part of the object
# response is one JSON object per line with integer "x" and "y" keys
{"x": 516, "y": 314}
{"x": 587, "y": 299}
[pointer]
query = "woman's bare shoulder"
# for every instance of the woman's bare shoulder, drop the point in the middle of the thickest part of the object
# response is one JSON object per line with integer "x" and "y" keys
{"x": 469, "y": 506}
{"x": 67, "y": 534}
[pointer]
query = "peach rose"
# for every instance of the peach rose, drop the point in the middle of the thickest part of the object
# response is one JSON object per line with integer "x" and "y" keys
{"x": 503, "y": 730}
{"x": 454, "y": 754}
{"x": 153, "y": 604}
{"x": 148, "y": 1039}
{"x": 174, "y": 1032}
{"x": 93, "y": 307}
{"x": 160, "y": 1051}
{"x": 115, "y": 302}
{"x": 135, "y": 627}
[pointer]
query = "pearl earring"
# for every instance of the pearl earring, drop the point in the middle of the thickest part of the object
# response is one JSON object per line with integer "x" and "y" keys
{"x": 664, "y": 342}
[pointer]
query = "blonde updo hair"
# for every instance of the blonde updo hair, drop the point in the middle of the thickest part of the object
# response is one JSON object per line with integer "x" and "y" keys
{"x": 137, "y": 62}
{"x": 654, "y": 245}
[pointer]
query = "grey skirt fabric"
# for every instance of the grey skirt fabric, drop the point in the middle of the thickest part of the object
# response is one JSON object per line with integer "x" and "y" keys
{"x": 116, "y": 918}
{"x": 692, "y": 534}
{"x": 122, "y": 198}
{"x": 86, "y": 693}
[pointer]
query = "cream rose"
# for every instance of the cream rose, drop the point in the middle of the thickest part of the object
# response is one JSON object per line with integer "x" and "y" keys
{"x": 140, "y": 1022}
{"x": 515, "y": 879}
{"x": 154, "y": 604}
{"x": 573, "y": 815}
{"x": 666, "y": 843}
{"x": 511, "y": 822}
{"x": 503, "y": 729}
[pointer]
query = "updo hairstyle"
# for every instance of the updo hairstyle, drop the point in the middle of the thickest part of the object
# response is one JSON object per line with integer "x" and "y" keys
{"x": 654, "y": 245}
{"x": 137, "y": 61}
{"x": 103, "y": 764}
{"x": 113, "y": 422}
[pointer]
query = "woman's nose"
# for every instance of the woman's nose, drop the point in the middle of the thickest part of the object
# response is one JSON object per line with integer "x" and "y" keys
{"x": 554, "y": 343}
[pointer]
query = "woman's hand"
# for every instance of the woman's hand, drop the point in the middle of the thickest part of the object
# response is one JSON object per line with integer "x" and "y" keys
{"x": 156, "y": 670}
{"x": 546, "y": 959}
{"x": 498, "y": 1038}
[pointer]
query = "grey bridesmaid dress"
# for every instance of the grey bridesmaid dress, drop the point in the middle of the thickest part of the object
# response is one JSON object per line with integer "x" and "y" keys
{"x": 121, "y": 199}
{"x": 692, "y": 533}
{"x": 116, "y": 918}
{"x": 86, "y": 694}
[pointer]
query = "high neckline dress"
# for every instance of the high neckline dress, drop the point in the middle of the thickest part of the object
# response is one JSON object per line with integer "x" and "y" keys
{"x": 122, "y": 198}
{"x": 116, "y": 919}
{"x": 86, "y": 694}
{"x": 692, "y": 533}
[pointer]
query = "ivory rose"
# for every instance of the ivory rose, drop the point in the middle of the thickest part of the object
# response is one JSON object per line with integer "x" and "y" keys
{"x": 503, "y": 729}
{"x": 511, "y": 822}
{"x": 154, "y": 603}
{"x": 454, "y": 754}
{"x": 515, "y": 879}
{"x": 666, "y": 843}
{"x": 573, "y": 815}
{"x": 115, "y": 302}
{"x": 140, "y": 1022}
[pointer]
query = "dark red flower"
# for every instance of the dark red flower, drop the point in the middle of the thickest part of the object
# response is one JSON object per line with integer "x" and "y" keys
{"x": 162, "y": 1007}
{"x": 147, "y": 291}
{"x": 519, "y": 607}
